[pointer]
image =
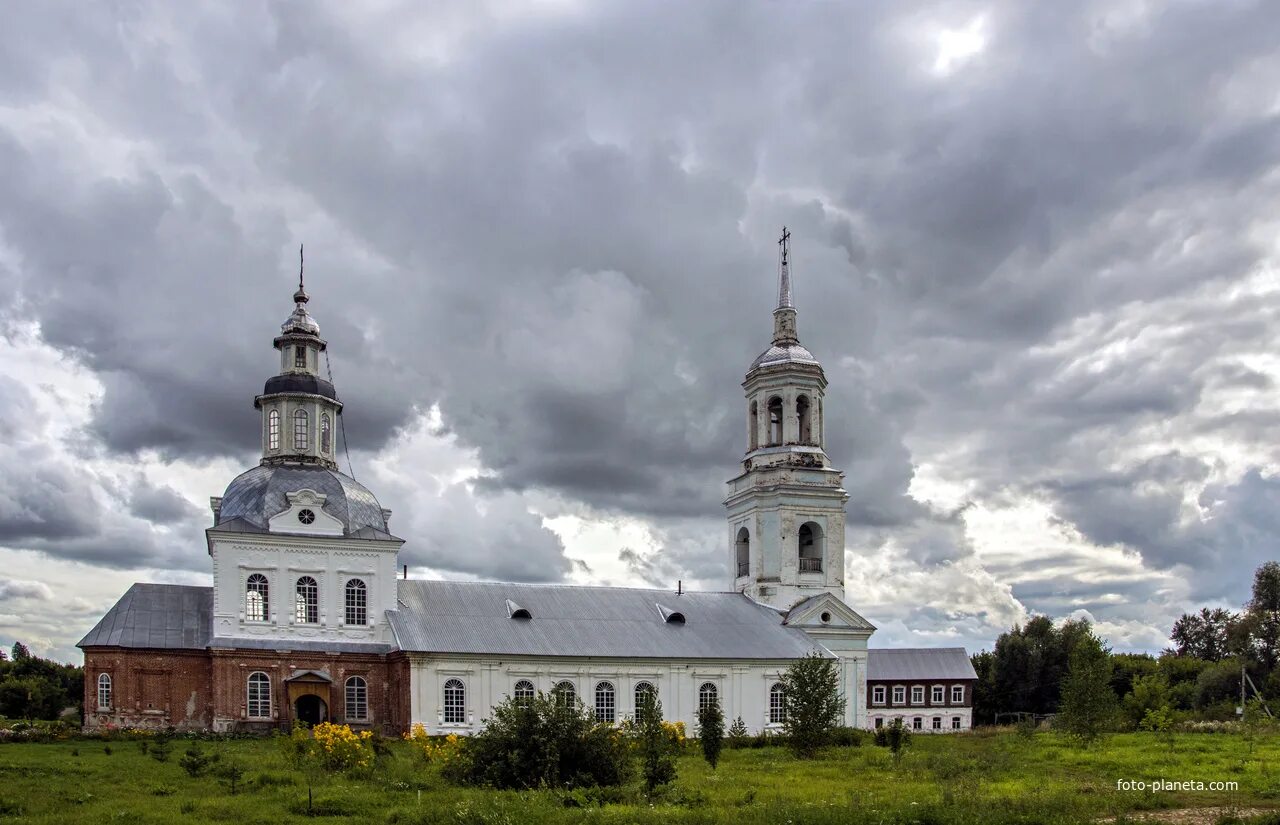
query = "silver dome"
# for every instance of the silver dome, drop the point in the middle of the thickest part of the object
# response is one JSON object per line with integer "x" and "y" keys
{"x": 259, "y": 494}
{"x": 786, "y": 354}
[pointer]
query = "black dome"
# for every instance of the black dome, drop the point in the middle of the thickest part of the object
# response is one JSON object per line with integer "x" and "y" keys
{"x": 298, "y": 382}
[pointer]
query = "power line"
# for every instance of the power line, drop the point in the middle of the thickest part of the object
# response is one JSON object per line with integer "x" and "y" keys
{"x": 342, "y": 419}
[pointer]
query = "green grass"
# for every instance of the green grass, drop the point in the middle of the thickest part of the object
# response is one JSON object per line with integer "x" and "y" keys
{"x": 972, "y": 778}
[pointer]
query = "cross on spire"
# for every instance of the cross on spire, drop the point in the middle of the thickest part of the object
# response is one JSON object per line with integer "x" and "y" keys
{"x": 784, "y": 278}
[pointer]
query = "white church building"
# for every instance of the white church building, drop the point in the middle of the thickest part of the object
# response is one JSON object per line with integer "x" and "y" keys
{"x": 308, "y": 620}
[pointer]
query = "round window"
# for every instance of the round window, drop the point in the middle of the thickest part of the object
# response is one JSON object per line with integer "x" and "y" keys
{"x": 306, "y": 516}
{"x": 826, "y": 617}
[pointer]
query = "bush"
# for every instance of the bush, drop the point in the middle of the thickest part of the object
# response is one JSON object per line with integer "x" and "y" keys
{"x": 657, "y": 760}
{"x": 194, "y": 762}
{"x": 846, "y": 737}
{"x": 711, "y": 731}
{"x": 811, "y": 690}
{"x": 540, "y": 742}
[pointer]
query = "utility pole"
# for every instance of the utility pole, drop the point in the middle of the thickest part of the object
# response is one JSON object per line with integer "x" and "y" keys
{"x": 1242, "y": 675}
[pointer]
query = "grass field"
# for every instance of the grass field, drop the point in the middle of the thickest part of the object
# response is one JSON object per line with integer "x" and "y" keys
{"x": 976, "y": 778}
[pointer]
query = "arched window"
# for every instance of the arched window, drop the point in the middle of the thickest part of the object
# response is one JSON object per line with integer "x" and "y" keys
{"x": 455, "y": 702}
{"x": 357, "y": 699}
{"x": 326, "y": 438}
{"x": 753, "y": 436}
{"x": 104, "y": 690}
{"x": 802, "y": 417}
{"x": 708, "y": 696}
{"x": 523, "y": 692}
{"x": 742, "y": 552}
{"x": 810, "y": 535}
{"x": 307, "y": 605}
{"x": 357, "y": 603}
{"x": 775, "y": 421}
{"x": 565, "y": 694}
{"x": 777, "y": 704}
{"x": 258, "y": 696}
{"x": 255, "y": 598}
{"x": 300, "y": 436}
{"x": 644, "y": 691}
{"x": 273, "y": 430}
{"x": 606, "y": 705}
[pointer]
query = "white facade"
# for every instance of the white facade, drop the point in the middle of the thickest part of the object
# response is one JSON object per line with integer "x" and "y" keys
{"x": 924, "y": 719}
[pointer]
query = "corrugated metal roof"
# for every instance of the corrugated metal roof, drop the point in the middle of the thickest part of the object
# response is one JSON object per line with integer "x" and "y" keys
{"x": 472, "y": 617}
{"x": 168, "y": 616}
{"x": 910, "y": 663}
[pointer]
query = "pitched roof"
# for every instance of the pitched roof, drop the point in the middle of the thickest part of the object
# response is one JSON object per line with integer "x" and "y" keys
{"x": 910, "y": 663}
{"x": 168, "y": 616}
{"x": 472, "y": 617}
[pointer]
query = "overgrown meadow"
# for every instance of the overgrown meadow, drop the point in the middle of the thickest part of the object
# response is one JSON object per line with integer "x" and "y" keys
{"x": 982, "y": 777}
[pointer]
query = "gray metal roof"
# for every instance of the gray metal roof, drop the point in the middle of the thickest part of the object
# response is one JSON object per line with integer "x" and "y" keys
{"x": 258, "y": 494}
{"x": 472, "y": 617}
{"x": 914, "y": 663}
{"x": 300, "y": 645}
{"x": 169, "y": 616}
{"x": 786, "y": 354}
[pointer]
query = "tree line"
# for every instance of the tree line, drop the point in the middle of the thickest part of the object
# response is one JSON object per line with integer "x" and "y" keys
{"x": 1030, "y": 670}
{"x": 36, "y": 688}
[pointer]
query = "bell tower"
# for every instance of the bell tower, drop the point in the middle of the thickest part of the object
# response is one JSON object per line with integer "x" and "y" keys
{"x": 786, "y": 509}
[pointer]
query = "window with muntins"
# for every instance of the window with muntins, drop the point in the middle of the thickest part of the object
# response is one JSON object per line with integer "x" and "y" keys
{"x": 300, "y": 357}
{"x": 255, "y": 598}
{"x": 708, "y": 695}
{"x": 273, "y": 430}
{"x": 917, "y": 723}
{"x": 643, "y": 688}
{"x": 357, "y": 604}
{"x": 566, "y": 694}
{"x": 955, "y": 723}
{"x": 899, "y": 695}
{"x": 455, "y": 702}
{"x": 917, "y": 695}
{"x": 957, "y": 694}
{"x": 300, "y": 435}
{"x": 307, "y": 609}
{"x": 357, "y": 699}
{"x": 606, "y": 703}
{"x": 937, "y": 723}
{"x": 877, "y": 695}
{"x": 523, "y": 692}
{"x": 938, "y": 694}
{"x": 326, "y": 436}
{"x": 258, "y": 696}
{"x": 777, "y": 705}
{"x": 104, "y": 690}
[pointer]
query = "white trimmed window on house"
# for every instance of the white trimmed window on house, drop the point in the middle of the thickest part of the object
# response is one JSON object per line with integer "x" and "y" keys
{"x": 877, "y": 695}
{"x": 957, "y": 694}
{"x": 777, "y": 704}
{"x": 357, "y": 603}
{"x": 357, "y": 699}
{"x": 258, "y": 696}
{"x": 917, "y": 694}
{"x": 937, "y": 695}
{"x": 255, "y": 598}
{"x": 917, "y": 723}
{"x": 523, "y": 692}
{"x": 606, "y": 703}
{"x": 104, "y": 691}
{"x": 955, "y": 723}
{"x": 937, "y": 723}
{"x": 455, "y": 702}
{"x": 566, "y": 694}
{"x": 899, "y": 695}
{"x": 307, "y": 602}
{"x": 638, "y": 695}
{"x": 708, "y": 695}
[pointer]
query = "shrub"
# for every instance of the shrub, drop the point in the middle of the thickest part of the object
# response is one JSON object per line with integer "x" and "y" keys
{"x": 811, "y": 690}
{"x": 232, "y": 772}
{"x": 843, "y": 737}
{"x": 1088, "y": 702}
{"x": 711, "y": 731}
{"x": 341, "y": 748}
{"x": 194, "y": 762}
{"x": 895, "y": 737}
{"x": 657, "y": 761}
{"x": 737, "y": 732}
{"x": 539, "y": 742}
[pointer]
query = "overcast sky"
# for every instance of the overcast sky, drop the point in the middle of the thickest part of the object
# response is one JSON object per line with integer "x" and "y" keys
{"x": 1035, "y": 248}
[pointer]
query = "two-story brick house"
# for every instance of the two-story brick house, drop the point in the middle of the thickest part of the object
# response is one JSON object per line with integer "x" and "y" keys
{"x": 930, "y": 689}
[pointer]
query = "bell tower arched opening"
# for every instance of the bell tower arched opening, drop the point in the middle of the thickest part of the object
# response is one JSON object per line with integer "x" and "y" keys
{"x": 742, "y": 552}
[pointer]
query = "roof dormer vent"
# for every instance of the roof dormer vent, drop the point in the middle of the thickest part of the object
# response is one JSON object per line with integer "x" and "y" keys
{"x": 670, "y": 616}
{"x": 515, "y": 611}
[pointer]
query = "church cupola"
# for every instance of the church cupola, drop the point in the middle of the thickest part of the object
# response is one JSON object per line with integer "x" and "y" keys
{"x": 786, "y": 509}
{"x": 299, "y": 408}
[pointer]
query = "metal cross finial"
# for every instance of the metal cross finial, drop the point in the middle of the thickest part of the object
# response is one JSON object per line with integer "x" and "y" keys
{"x": 785, "y": 243}
{"x": 300, "y": 262}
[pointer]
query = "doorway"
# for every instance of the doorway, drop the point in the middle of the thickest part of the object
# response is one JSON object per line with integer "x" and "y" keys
{"x": 311, "y": 710}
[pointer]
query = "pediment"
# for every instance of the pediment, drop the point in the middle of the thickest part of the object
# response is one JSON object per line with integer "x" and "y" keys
{"x": 305, "y": 514}
{"x": 810, "y": 612}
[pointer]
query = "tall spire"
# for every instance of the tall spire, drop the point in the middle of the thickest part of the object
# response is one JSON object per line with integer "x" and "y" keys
{"x": 784, "y": 317}
{"x": 784, "y": 279}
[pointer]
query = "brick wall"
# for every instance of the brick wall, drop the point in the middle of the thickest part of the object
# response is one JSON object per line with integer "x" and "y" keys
{"x": 889, "y": 685}
{"x": 149, "y": 688}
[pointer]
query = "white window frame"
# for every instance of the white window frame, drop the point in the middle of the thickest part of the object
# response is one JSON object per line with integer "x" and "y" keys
{"x": 606, "y": 702}
{"x": 642, "y": 685}
{"x": 777, "y": 704}
{"x": 523, "y": 691}
{"x": 301, "y": 431}
{"x": 306, "y": 605}
{"x": 257, "y": 584}
{"x": 957, "y": 694}
{"x": 356, "y": 603}
{"x": 104, "y": 691}
{"x": 937, "y": 723}
{"x": 453, "y": 701}
{"x": 256, "y": 697}
{"x": 937, "y": 695}
{"x": 708, "y": 692}
{"x": 899, "y": 694}
{"x": 955, "y": 723}
{"x": 356, "y": 699}
{"x": 877, "y": 695}
{"x": 273, "y": 430}
{"x": 917, "y": 723}
{"x": 917, "y": 694}
{"x": 565, "y": 688}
